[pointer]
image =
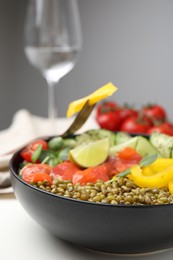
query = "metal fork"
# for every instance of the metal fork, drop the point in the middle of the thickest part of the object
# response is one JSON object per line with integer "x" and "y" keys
{"x": 80, "y": 119}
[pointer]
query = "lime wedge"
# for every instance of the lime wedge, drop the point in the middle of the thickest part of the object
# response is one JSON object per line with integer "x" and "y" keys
{"x": 93, "y": 98}
{"x": 90, "y": 154}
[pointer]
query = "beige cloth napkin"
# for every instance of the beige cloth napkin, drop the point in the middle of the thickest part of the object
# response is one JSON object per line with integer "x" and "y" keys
{"x": 24, "y": 128}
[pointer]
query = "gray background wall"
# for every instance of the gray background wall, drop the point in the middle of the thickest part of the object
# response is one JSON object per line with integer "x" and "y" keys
{"x": 128, "y": 42}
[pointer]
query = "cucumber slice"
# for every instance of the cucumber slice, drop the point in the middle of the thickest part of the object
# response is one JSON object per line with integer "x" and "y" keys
{"x": 122, "y": 137}
{"x": 96, "y": 134}
{"x": 144, "y": 147}
{"x": 163, "y": 143}
{"x": 129, "y": 143}
{"x": 141, "y": 144}
{"x": 106, "y": 133}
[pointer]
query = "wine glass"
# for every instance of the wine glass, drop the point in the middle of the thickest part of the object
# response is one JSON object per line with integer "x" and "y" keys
{"x": 52, "y": 42}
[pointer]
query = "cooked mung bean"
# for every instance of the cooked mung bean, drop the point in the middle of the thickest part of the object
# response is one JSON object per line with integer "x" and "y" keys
{"x": 119, "y": 191}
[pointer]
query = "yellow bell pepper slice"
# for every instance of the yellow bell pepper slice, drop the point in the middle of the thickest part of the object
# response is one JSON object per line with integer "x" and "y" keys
{"x": 93, "y": 98}
{"x": 170, "y": 187}
{"x": 159, "y": 179}
{"x": 148, "y": 171}
{"x": 160, "y": 164}
{"x": 146, "y": 181}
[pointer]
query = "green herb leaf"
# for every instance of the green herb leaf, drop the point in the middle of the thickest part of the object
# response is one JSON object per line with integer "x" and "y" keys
{"x": 147, "y": 160}
{"x": 124, "y": 173}
{"x": 36, "y": 153}
{"x": 49, "y": 157}
{"x": 46, "y": 159}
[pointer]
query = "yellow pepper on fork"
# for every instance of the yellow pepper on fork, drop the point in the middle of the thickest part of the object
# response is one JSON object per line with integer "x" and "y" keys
{"x": 159, "y": 174}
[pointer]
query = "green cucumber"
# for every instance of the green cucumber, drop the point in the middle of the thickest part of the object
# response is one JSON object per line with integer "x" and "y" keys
{"x": 119, "y": 147}
{"x": 163, "y": 143}
{"x": 106, "y": 133}
{"x": 144, "y": 147}
{"x": 141, "y": 144}
{"x": 96, "y": 134}
{"x": 122, "y": 137}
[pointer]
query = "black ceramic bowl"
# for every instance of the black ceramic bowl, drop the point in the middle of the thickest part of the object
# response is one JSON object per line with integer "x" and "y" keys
{"x": 110, "y": 228}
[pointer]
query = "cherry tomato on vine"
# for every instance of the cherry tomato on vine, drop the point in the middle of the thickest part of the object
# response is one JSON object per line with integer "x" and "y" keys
{"x": 105, "y": 107}
{"x": 155, "y": 112}
{"x": 109, "y": 120}
{"x": 165, "y": 128}
{"x": 136, "y": 125}
{"x": 126, "y": 112}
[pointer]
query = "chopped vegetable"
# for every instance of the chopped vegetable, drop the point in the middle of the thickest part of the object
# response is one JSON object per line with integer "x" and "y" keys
{"x": 129, "y": 153}
{"x": 155, "y": 112}
{"x": 157, "y": 179}
{"x": 145, "y": 120}
{"x": 142, "y": 163}
{"x": 93, "y": 98}
{"x": 27, "y": 153}
{"x": 90, "y": 154}
{"x": 134, "y": 159}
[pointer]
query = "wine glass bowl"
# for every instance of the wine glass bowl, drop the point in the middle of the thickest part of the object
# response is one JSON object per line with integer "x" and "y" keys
{"x": 52, "y": 42}
{"x": 53, "y": 62}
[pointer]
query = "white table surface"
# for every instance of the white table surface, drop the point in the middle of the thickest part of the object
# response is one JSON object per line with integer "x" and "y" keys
{"x": 23, "y": 239}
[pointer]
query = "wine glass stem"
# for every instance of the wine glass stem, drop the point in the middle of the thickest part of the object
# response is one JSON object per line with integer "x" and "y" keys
{"x": 52, "y": 106}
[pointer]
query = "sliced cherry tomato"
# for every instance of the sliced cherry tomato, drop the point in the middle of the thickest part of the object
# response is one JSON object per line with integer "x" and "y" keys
{"x": 125, "y": 159}
{"x": 109, "y": 120}
{"x": 129, "y": 153}
{"x": 122, "y": 164}
{"x": 165, "y": 128}
{"x": 36, "y": 173}
{"x": 27, "y": 152}
{"x": 155, "y": 112}
{"x": 136, "y": 124}
{"x": 65, "y": 170}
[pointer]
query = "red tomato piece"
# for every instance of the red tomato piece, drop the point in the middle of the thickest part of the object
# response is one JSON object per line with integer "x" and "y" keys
{"x": 123, "y": 164}
{"x": 27, "y": 152}
{"x": 65, "y": 170}
{"x": 109, "y": 120}
{"x": 165, "y": 128}
{"x": 136, "y": 125}
{"x": 155, "y": 112}
{"x": 126, "y": 112}
{"x": 105, "y": 107}
{"x": 36, "y": 173}
{"x": 129, "y": 153}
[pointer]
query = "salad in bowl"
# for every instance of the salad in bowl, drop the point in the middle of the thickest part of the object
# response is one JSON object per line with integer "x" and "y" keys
{"x": 103, "y": 190}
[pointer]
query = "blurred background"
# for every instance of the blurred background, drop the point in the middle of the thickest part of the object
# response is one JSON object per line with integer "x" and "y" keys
{"x": 127, "y": 42}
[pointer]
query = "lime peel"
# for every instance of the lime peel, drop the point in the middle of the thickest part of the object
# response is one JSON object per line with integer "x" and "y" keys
{"x": 99, "y": 94}
{"x": 90, "y": 154}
